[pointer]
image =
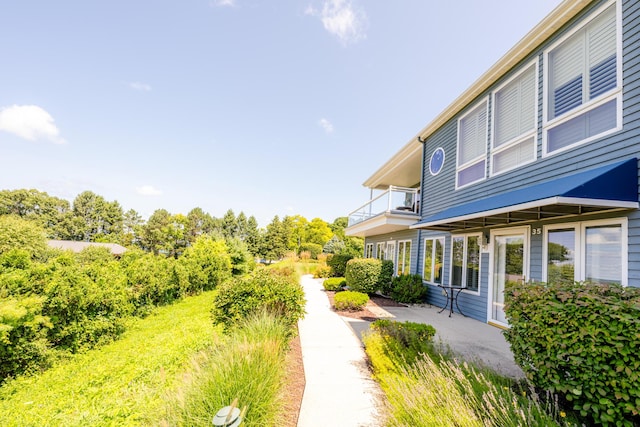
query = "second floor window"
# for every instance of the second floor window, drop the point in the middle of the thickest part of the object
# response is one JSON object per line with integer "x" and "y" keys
{"x": 472, "y": 146}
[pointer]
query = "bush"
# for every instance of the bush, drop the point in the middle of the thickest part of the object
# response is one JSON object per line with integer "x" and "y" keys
{"x": 334, "y": 283}
{"x": 406, "y": 341}
{"x": 208, "y": 263}
{"x": 580, "y": 340}
{"x": 362, "y": 274}
{"x": 386, "y": 277}
{"x": 238, "y": 298}
{"x": 322, "y": 271}
{"x": 350, "y": 301}
{"x": 338, "y": 264}
{"x": 313, "y": 248}
{"x": 408, "y": 288}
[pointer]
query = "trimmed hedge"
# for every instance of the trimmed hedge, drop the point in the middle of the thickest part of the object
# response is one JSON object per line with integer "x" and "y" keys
{"x": 351, "y": 301}
{"x": 334, "y": 283}
{"x": 408, "y": 288}
{"x": 363, "y": 274}
{"x": 580, "y": 340}
{"x": 338, "y": 264}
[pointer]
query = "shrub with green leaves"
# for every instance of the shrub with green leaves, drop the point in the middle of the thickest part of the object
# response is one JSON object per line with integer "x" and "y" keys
{"x": 408, "y": 288}
{"x": 385, "y": 280}
{"x": 322, "y": 271}
{"x": 338, "y": 264}
{"x": 313, "y": 248}
{"x": 363, "y": 274}
{"x": 406, "y": 340}
{"x": 350, "y": 301}
{"x": 580, "y": 340}
{"x": 334, "y": 283}
{"x": 240, "y": 297}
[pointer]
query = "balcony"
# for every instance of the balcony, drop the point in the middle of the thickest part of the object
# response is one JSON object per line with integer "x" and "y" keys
{"x": 392, "y": 210}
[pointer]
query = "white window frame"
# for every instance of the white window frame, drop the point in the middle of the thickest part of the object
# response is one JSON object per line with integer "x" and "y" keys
{"x": 381, "y": 248}
{"x": 459, "y": 167}
{"x": 613, "y": 94}
{"x": 368, "y": 250}
{"x": 400, "y": 262}
{"x": 464, "y": 261}
{"x": 441, "y": 239}
{"x": 522, "y": 137}
{"x": 580, "y": 229}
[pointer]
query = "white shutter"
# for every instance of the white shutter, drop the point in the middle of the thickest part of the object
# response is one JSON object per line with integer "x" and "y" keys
{"x": 601, "y": 39}
{"x": 472, "y": 139}
{"x": 515, "y": 108}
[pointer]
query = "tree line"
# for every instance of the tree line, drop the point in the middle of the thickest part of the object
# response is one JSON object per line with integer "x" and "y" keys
{"x": 92, "y": 218}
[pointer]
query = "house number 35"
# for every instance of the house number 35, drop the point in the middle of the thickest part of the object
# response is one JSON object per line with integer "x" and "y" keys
{"x": 536, "y": 231}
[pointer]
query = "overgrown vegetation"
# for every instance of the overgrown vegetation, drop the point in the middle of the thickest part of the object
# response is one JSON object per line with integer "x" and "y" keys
{"x": 580, "y": 340}
{"x": 425, "y": 387}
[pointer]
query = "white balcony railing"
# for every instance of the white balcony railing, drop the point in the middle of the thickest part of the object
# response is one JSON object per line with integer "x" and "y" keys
{"x": 398, "y": 200}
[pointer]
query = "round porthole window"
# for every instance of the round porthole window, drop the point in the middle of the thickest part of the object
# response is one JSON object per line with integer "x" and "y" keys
{"x": 437, "y": 161}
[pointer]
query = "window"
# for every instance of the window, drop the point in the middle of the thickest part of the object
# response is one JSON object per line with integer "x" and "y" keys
{"x": 465, "y": 261}
{"x": 472, "y": 146}
{"x": 583, "y": 84}
{"x": 595, "y": 251}
{"x": 404, "y": 257}
{"x": 433, "y": 254}
{"x": 380, "y": 250}
{"x": 368, "y": 250}
{"x": 514, "y": 122}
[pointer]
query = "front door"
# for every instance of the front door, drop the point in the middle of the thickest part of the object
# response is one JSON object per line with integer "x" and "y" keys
{"x": 510, "y": 264}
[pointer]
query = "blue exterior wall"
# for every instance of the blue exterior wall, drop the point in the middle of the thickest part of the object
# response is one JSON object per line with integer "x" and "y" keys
{"x": 439, "y": 192}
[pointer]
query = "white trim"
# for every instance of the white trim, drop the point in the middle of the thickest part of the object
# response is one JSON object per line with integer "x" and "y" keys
{"x": 380, "y": 250}
{"x": 480, "y": 158}
{"x": 466, "y": 236}
{"x": 556, "y": 200}
{"x": 520, "y": 138}
{"x": 442, "y": 239}
{"x": 579, "y": 228}
{"x": 368, "y": 250}
{"x": 526, "y": 231}
{"x": 616, "y": 93}
{"x": 405, "y": 241}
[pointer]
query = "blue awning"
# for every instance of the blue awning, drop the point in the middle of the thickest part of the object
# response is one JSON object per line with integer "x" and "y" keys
{"x": 610, "y": 187}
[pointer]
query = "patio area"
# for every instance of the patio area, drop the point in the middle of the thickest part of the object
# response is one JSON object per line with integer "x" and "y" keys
{"x": 472, "y": 340}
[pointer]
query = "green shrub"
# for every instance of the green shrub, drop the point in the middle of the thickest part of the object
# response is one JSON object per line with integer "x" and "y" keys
{"x": 362, "y": 274}
{"x": 580, "y": 340}
{"x": 240, "y": 297}
{"x": 207, "y": 263}
{"x": 242, "y": 261}
{"x": 23, "y": 336}
{"x": 338, "y": 264}
{"x": 350, "y": 301}
{"x": 322, "y": 272}
{"x": 386, "y": 277}
{"x": 408, "y": 288}
{"x": 334, "y": 283}
{"x": 313, "y": 248}
{"x": 405, "y": 340}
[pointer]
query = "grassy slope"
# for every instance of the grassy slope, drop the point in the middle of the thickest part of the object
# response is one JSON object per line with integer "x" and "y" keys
{"x": 123, "y": 383}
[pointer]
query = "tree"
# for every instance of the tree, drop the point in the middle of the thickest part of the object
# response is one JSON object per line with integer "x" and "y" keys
{"x": 154, "y": 236}
{"x": 274, "y": 245}
{"x": 98, "y": 215}
{"x": 318, "y": 232}
{"x": 18, "y": 233}
{"x": 253, "y": 238}
{"x": 297, "y": 226}
{"x": 229, "y": 225}
{"x": 131, "y": 228}
{"x": 34, "y": 205}
{"x": 198, "y": 223}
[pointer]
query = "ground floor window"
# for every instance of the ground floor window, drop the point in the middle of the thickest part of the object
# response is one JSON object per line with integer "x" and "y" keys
{"x": 594, "y": 251}
{"x": 368, "y": 250}
{"x": 465, "y": 261}
{"x": 380, "y": 250}
{"x": 404, "y": 257}
{"x": 433, "y": 255}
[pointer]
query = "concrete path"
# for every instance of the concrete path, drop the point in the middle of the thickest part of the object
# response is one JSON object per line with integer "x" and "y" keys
{"x": 339, "y": 389}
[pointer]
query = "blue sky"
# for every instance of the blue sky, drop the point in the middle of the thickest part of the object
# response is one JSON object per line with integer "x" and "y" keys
{"x": 276, "y": 107}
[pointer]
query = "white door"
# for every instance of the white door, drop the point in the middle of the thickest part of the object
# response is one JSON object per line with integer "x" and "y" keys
{"x": 510, "y": 263}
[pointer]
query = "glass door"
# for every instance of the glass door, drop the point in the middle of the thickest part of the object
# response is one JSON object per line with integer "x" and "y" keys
{"x": 510, "y": 265}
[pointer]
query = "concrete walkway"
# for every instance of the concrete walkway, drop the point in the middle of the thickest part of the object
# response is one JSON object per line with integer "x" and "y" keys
{"x": 339, "y": 389}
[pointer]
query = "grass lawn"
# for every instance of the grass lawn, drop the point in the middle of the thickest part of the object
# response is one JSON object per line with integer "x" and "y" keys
{"x": 125, "y": 383}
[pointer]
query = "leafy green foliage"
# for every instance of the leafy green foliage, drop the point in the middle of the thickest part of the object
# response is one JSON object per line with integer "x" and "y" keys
{"x": 208, "y": 263}
{"x": 239, "y": 297}
{"x": 350, "y": 301}
{"x": 363, "y": 274}
{"x": 338, "y": 264}
{"x": 23, "y": 336}
{"x": 242, "y": 261}
{"x": 313, "y": 248}
{"x": 334, "y": 283}
{"x": 385, "y": 281}
{"x": 322, "y": 272}
{"x": 580, "y": 340}
{"x": 18, "y": 233}
{"x": 405, "y": 340}
{"x": 408, "y": 288}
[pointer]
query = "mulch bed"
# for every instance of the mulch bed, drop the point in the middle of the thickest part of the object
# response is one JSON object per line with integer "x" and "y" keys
{"x": 365, "y": 314}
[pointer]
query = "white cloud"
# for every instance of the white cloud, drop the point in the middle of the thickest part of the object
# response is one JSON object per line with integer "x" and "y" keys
{"x": 223, "y": 3}
{"x": 342, "y": 19}
{"x": 142, "y": 87}
{"x": 148, "y": 190}
{"x": 30, "y": 122}
{"x": 326, "y": 125}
